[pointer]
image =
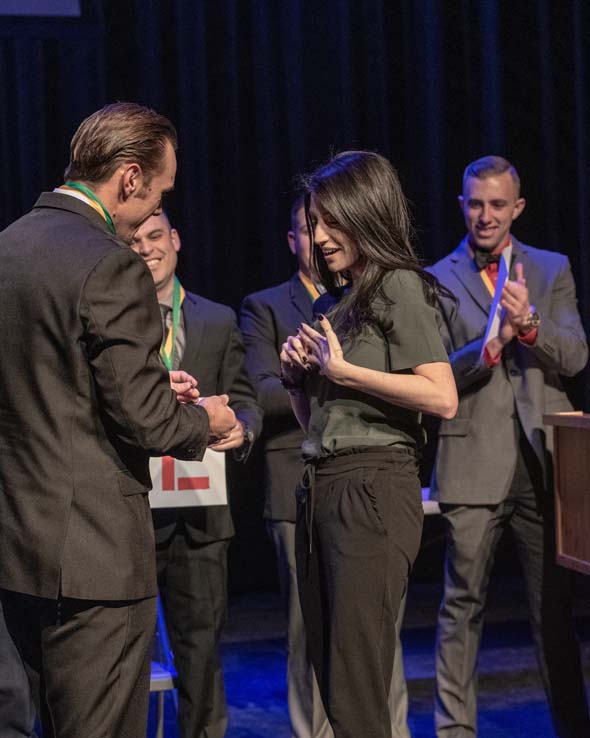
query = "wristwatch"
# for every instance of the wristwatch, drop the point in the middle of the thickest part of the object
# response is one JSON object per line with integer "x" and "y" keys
{"x": 248, "y": 433}
{"x": 533, "y": 321}
{"x": 241, "y": 453}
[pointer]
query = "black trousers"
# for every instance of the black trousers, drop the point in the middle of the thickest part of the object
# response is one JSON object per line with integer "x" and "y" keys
{"x": 358, "y": 532}
{"x": 192, "y": 579}
{"x": 93, "y": 659}
{"x": 17, "y": 713}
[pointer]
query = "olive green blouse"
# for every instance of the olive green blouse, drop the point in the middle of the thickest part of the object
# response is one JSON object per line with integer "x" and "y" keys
{"x": 405, "y": 335}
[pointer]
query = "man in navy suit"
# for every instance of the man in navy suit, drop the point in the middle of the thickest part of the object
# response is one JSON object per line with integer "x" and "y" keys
{"x": 192, "y": 542}
{"x": 493, "y": 469}
{"x": 266, "y": 319}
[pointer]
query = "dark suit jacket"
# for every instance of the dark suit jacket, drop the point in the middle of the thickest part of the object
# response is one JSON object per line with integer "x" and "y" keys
{"x": 267, "y": 318}
{"x": 84, "y": 402}
{"x": 477, "y": 451}
{"x": 214, "y": 355}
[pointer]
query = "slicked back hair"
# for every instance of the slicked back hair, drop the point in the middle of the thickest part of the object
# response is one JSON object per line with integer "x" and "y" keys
{"x": 118, "y": 134}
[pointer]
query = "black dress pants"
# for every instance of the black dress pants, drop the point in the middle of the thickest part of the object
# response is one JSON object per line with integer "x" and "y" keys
{"x": 192, "y": 579}
{"x": 17, "y": 713}
{"x": 358, "y": 532}
{"x": 93, "y": 659}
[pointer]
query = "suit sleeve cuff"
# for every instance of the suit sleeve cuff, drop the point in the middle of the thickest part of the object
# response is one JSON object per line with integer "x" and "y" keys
{"x": 529, "y": 338}
{"x": 489, "y": 361}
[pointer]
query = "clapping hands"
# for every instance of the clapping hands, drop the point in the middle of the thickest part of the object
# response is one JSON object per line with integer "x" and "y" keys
{"x": 515, "y": 300}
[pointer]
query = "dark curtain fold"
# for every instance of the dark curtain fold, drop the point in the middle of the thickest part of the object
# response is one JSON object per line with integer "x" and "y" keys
{"x": 261, "y": 90}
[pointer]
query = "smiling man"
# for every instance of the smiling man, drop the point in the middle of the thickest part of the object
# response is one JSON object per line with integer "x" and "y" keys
{"x": 201, "y": 337}
{"x": 84, "y": 402}
{"x": 493, "y": 466}
{"x": 490, "y": 205}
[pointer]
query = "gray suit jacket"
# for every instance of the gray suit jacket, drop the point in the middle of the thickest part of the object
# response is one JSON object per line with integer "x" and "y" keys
{"x": 477, "y": 449}
{"x": 267, "y": 318}
{"x": 214, "y": 355}
{"x": 84, "y": 402}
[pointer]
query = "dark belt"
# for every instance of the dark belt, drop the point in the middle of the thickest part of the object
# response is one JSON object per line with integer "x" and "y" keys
{"x": 351, "y": 459}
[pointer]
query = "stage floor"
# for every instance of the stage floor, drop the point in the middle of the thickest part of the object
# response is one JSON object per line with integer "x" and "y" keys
{"x": 511, "y": 704}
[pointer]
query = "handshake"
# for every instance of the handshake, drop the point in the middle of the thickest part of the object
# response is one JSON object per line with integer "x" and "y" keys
{"x": 226, "y": 431}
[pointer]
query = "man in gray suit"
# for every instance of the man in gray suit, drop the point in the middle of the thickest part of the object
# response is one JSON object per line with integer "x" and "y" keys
{"x": 493, "y": 469}
{"x": 84, "y": 402}
{"x": 266, "y": 319}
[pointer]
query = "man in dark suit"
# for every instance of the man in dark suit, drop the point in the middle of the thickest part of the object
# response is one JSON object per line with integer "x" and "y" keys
{"x": 192, "y": 542}
{"x": 266, "y": 319}
{"x": 493, "y": 467}
{"x": 84, "y": 402}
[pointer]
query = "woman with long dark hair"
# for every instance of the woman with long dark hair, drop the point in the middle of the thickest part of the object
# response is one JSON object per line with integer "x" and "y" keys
{"x": 358, "y": 383}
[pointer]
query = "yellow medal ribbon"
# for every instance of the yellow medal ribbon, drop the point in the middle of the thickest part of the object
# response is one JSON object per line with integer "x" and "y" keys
{"x": 169, "y": 343}
{"x": 93, "y": 201}
{"x": 310, "y": 287}
{"x": 488, "y": 282}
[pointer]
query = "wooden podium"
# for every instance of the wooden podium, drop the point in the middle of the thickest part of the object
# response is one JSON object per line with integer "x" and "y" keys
{"x": 571, "y": 434}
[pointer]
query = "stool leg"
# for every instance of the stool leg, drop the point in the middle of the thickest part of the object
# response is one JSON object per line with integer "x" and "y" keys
{"x": 160, "y": 730}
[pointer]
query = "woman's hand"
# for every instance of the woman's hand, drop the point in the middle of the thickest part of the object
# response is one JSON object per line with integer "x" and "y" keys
{"x": 294, "y": 366}
{"x": 294, "y": 360}
{"x": 324, "y": 352}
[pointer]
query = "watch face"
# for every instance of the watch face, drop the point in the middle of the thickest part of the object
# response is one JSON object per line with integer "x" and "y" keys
{"x": 533, "y": 321}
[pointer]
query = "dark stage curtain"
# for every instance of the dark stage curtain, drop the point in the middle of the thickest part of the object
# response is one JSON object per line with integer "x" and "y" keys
{"x": 263, "y": 89}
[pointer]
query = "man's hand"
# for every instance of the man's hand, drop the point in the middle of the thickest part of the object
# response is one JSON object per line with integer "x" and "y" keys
{"x": 222, "y": 419}
{"x": 185, "y": 386}
{"x": 515, "y": 300}
{"x": 507, "y": 330}
{"x": 506, "y": 333}
{"x": 234, "y": 440}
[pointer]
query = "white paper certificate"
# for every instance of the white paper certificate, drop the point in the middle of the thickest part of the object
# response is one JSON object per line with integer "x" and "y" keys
{"x": 178, "y": 483}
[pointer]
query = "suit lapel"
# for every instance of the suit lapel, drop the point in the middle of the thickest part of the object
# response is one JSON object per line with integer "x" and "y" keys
{"x": 194, "y": 325}
{"x": 464, "y": 269}
{"x": 300, "y": 298}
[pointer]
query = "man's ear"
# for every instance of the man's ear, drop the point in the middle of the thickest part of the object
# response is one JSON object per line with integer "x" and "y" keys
{"x": 291, "y": 240}
{"x": 131, "y": 180}
{"x": 175, "y": 239}
{"x": 519, "y": 206}
{"x": 461, "y": 201}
